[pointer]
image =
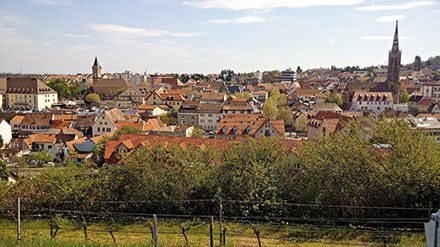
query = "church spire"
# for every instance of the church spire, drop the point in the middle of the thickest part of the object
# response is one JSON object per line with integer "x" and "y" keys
{"x": 396, "y": 38}
{"x": 96, "y": 63}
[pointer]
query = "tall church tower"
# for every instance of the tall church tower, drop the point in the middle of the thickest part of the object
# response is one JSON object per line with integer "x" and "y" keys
{"x": 96, "y": 70}
{"x": 393, "y": 76}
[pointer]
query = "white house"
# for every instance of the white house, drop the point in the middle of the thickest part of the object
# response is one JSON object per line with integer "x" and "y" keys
{"x": 372, "y": 101}
{"x": 5, "y": 131}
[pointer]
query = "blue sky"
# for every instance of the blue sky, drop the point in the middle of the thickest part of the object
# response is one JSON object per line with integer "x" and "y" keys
{"x": 205, "y": 36}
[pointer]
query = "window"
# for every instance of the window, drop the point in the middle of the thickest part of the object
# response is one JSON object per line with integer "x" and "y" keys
{"x": 99, "y": 129}
{"x": 108, "y": 130}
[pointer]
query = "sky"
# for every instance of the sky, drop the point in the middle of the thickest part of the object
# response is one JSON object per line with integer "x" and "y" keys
{"x": 206, "y": 36}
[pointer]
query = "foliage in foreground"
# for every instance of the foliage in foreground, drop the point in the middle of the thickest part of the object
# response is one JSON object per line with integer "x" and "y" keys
{"x": 395, "y": 166}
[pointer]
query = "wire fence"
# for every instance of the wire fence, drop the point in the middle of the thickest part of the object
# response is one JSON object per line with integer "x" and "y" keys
{"x": 255, "y": 224}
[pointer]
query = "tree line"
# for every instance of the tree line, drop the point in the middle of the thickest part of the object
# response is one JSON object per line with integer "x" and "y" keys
{"x": 387, "y": 163}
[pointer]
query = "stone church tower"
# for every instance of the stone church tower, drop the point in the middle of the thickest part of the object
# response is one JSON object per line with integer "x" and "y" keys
{"x": 393, "y": 76}
{"x": 417, "y": 63}
{"x": 96, "y": 70}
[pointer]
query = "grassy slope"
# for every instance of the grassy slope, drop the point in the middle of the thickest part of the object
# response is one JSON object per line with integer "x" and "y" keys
{"x": 71, "y": 234}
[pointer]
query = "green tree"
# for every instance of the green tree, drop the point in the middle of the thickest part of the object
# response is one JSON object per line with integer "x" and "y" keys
{"x": 243, "y": 95}
{"x": 92, "y": 98}
{"x": 1, "y": 142}
{"x": 269, "y": 109}
{"x": 4, "y": 173}
{"x": 75, "y": 90}
{"x": 168, "y": 118}
{"x": 61, "y": 87}
{"x": 42, "y": 156}
{"x": 197, "y": 132}
{"x": 285, "y": 114}
{"x": 334, "y": 98}
{"x": 404, "y": 97}
{"x": 121, "y": 90}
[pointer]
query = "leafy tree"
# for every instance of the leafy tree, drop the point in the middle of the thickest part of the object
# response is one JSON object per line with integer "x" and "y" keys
{"x": 404, "y": 97}
{"x": 334, "y": 98}
{"x": 285, "y": 114}
{"x": 197, "y": 132}
{"x": 61, "y": 87}
{"x": 76, "y": 90}
{"x": 1, "y": 142}
{"x": 168, "y": 118}
{"x": 92, "y": 98}
{"x": 42, "y": 156}
{"x": 126, "y": 130}
{"x": 4, "y": 173}
{"x": 121, "y": 90}
{"x": 98, "y": 151}
{"x": 269, "y": 109}
{"x": 243, "y": 95}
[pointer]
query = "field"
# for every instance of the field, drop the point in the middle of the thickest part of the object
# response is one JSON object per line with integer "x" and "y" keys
{"x": 71, "y": 233}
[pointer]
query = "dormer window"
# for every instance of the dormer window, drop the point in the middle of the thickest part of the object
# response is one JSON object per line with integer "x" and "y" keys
{"x": 248, "y": 129}
{"x": 224, "y": 129}
{"x": 235, "y": 129}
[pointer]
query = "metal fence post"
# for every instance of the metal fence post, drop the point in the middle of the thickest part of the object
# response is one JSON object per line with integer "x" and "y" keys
{"x": 18, "y": 219}
{"x": 156, "y": 244}
{"x": 211, "y": 232}
{"x": 220, "y": 222}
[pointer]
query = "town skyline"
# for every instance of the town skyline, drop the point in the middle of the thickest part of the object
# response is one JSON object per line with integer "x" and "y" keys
{"x": 208, "y": 36}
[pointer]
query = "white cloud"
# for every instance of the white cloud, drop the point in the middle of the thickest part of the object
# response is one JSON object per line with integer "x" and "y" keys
{"x": 11, "y": 19}
{"x": 391, "y": 18}
{"x": 329, "y": 41}
{"x": 266, "y": 4}
{"x": 241, "y": 20}
{"x": 82, "y": 48}
{"x": 405, "y": 6}
{"x": 53, "y": 2}
{"x": 123, "y": 30}
{"x": 378, "y": 37}
{"x": 71, "y": 35}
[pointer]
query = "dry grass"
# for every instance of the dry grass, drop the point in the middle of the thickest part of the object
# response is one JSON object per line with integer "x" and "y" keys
{"x": 37, "y": 233}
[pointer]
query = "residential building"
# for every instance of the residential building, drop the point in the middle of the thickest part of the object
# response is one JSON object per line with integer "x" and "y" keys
{"x": 107, "y": 89}
{"x": 261, "y": 96}
{"x": 172, "y": 98}
{"x": 154, "y": 110}
{"x": 237, "y": 106}
{"x": 29, "y": 93}
{"x": 5, "y": 132}
{"x": 317, "y": 107}
{"x": 253, "y": 125}
{"x": 430, "y": 125}
{"x": 209, "y": 116}
{"x": 106, "y": 123}
{"x": 372, "y": 101}
{"x": 35, "y": 122}
{"x": 431, "y": 90}
{"x": 213, "y": 98}
{"x": 288, "y": 75}
{"x": 323, "y": 124}
{"x": 189, "y": 113}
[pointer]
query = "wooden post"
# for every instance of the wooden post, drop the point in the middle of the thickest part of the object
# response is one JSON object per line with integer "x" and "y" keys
{"x": 18, "y": 219}
{"x": 152, "y": 231}
{"x": 56, "y": 230}
{"x": 156, "y": 244}
{"x": 85, "y": 229}
{"x": 51, "y": 222}
{"x": 211, "y": 232}
{"x": 184, "y": 235}
{"x": 224, "y": 236}
{"x": 220, "y": 221}
{"x": 113, "y": 237}
{"x": 257, "y": 232}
